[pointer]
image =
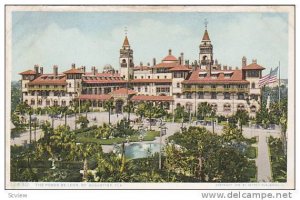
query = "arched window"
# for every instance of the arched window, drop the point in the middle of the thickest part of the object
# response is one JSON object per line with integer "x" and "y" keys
{"x": 188, "y": 106}
{"x": 253, "y": 85}
{"x": 214, "y": 106}
{"x": 227, "y": 107}
{"x": 240, "y": 106}
{"x": 253, "y": 108}
{"x": 178, "y": 105}
{"x": 123, "y": 61}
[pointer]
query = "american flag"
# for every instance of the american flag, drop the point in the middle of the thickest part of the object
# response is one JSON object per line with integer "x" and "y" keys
{"x": 269, "y": 78}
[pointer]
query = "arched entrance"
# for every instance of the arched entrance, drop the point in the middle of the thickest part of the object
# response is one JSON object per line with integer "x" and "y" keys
{"x": 119, "y": 105}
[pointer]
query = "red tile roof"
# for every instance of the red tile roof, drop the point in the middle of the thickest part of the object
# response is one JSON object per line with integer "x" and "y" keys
{"x": 170, "y": 58}
{"x": 180, "y": 68}
{"x": 48, "y": 79}
{"x": 151, "y": 81}
{"x": 152, "y": 98}
{"x": 253, "y": 66}
{"x": 123, "y": 91}
{"x": 28, "y": 72}
{"x": 73, "y": 71}
{"x": 94, "y": 97}
{"x": 235, "y": 78}
{"x": 103, "y": 78}
{"x": 205, "y": 36}
{"x": 165, "y": 65}
{"x": 102, "y": 74}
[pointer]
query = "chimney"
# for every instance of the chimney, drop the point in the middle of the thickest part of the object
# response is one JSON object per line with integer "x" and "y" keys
{"x": 141, "y": 64}
{"x": 244, "y": 61}
{"x": 170, "y": 52}
{"x": 55, "y": 71}
{"x": 117, "y": 71}
{"x": 83, "y": 69}
{"x": 154, "y": 61}
{"x": 236, "y": 68}
{"x": 94, "y": 70}
{"x": 224, "y": 67}
{"x": 187, "y": 62}
{"x": 216, "y": 62}
{"x": 148, "y": 64}
{"x": 230, "y": 68}
{"x": 36, "y": 69}
{"x": 41, "y": 70}
{"x": 254, "y": 61}
{"x": 181, "y": 58}
{"x": 73, "y": 65}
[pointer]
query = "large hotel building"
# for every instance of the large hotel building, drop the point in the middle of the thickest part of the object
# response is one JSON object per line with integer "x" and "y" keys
{"x": 172, "y": 82}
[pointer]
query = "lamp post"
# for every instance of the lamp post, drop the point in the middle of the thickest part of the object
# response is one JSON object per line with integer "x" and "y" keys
{"x": 162, "y": 132}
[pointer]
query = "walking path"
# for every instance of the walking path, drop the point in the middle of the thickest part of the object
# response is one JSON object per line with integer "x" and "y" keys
{"x": 262, "y": 160}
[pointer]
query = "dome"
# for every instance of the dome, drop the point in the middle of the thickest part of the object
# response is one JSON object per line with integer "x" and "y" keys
{"x": 108, "y": 67}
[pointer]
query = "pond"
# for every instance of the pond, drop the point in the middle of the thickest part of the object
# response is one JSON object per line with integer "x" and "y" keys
{"x": 138, "y": 150}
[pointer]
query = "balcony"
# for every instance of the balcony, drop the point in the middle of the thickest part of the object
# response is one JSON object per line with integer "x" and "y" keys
{"x": 232, "y": 90}
{"x": 44, "y": 88}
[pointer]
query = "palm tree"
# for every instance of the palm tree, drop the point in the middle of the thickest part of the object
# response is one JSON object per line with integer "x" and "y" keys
{"x": 84, "y": 151}
{"x": 22, "y": 108}
{"x": 149, "y": 112}
{"x": 30, "y": 112}
{"x": 85, "y": 107}
{"x": 129, "y": 108}
{"x": 52, "y": 111}
{"x": 109, "y": 105}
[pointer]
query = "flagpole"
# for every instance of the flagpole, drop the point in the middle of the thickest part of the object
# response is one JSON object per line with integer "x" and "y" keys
{"x": 279, "y": 85}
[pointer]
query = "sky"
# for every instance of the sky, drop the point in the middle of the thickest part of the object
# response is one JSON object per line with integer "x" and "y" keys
{"x": 95, "y": 38}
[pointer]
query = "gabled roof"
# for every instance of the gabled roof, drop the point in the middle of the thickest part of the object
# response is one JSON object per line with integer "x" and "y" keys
{"x": 253, "y": 66}
{"x": 205, "y": 36}
{"x": 73, "y": 71}
{"x": 220, "y": 79}
{"x": 94, "y": 97}
{"x": 48, "y": 79}
{"x": 123, "y": 91}
{"x": 152, "y": 98}
{"x": 28, "y": 72}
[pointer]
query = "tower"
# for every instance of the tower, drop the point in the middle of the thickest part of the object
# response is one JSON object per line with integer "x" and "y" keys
{"x": 206, "y": 50}
{"x": 126, "y": 60}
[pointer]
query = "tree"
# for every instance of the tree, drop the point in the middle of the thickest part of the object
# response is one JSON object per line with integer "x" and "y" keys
{"x": 85, "y": 107}
{"x": 83, "y": 121}
{"x": 53, "y": 111}
{"x": 129, "y": 108}
{"x": 242, "y": 117}
{"x": 109, "y": 105}
{"x": 141, "y": 110}
{"x": 204, "y": 109}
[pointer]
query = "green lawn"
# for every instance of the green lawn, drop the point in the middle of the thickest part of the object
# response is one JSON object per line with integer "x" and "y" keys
{"x": 251, "y": 152}
{"x": 150, "y": 136}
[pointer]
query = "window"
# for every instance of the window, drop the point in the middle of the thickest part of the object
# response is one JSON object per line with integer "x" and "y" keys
{"x": 226, "y": 95}
{"x": 214, "y": 106}
{"x": 227, "y": 107}
{"x": 226, "y": 86}
{"x": 48, "y": 102}
{"x": 148, "y": 77}
{"x": 178, "y": 85}
{"x": 213, "y": 95}
{"x": 253, "y": 85}
{"x": 63, "y": 103}
{"x": 32, "y": 102}
{"x": 135, "y": 77}
{"x": 139, "y": 89}
{"x": 178, "y": 95}
{"x": 241, "y": 96}
{"x": 165, "y": 77}
{"x": 142, "y": 77}
{"x": 146, "y": 89}
{"x": 70, "y": 84}
{"x": 40, "y": 102}
{"x": 189, "y": 95}
{"x": 32, "y": 93}
{"x": 241, "y": 107}
{"x": 253, "y": 108}
{"x": 157, "y": 77}
{"x": 200, "y": 95}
